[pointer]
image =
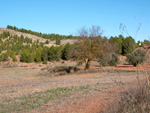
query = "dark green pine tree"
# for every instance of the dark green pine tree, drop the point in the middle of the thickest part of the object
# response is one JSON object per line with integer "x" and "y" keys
{"x": 51, "y": 53}
{"x": 44, "y": 55}
{"x": 23, "y": 56}
{"x": 66, "y": 51}
{"x": 128, "y": 45}
{"x": 29, "y": 58}
{"x": 38, "y": 55}
{"x": 58, "y": 41}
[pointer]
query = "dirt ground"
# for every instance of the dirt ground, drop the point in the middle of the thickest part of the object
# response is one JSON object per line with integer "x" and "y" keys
{"x": 90, "y": 93}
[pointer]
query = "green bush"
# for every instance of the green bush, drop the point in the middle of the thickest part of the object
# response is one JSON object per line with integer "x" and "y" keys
{"x": 136, "y": 57}
{"x": 4, "y": 57}
{"x": 44, "y": 62}
{"x": 14, "y": 59}
{"x": 47, "y": 42}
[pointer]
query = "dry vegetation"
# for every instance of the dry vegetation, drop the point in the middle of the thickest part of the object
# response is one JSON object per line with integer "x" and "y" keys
{"x": 132, "y": 100}
{"x": 23, "y": 91}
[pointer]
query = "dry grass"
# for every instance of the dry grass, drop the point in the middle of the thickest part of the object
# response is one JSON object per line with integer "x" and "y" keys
{"x": 13, "y": 65}
{"x": 57, "y": 70}
{"x": 52, "y": 71}
{"x": 21, "y": 91}
{"x": 133, "y": 100}
{"x": 28, "y": 102}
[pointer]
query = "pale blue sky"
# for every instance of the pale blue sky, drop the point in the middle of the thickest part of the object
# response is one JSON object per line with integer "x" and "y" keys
{"x": 68, "y": 16}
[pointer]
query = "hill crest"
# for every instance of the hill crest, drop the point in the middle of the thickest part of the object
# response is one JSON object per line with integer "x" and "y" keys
{"x": 35, "y": 38}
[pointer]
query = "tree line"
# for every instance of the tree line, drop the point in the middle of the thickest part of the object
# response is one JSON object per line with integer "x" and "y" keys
{"x": 29, "y": 51}
{"x": 43, "y": 35}
{"x": 90, "y": 46}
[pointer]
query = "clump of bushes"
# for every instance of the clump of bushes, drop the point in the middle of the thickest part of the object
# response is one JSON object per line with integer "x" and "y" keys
{"x": 136, "y": 57}
{"x": 58, "y": 70}
{"x": 112, "y": 61}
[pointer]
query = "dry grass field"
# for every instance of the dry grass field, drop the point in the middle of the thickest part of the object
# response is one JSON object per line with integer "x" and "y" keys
{"x": 24, "y": 90}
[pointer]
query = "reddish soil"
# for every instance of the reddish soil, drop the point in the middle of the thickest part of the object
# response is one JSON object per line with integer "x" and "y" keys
{"x": 127, "y": 67}
{"x": 91, "y": 104}
{"x": 22, "y": 81}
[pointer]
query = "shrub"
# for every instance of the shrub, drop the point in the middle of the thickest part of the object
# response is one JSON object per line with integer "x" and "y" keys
{"x": 133, "y": 100}
{"x": 14, "y": 59}
{"x": 110, "y": 61}
{"x": 103, "y": 62}
{"x": 44, "y": 62}
{"x": 47, "y": 42}
{"x": 136, "y": 57}
{"x": 58, "y": 70}
{"x": 114, "y": 61}
{"x": 4, "y": 57}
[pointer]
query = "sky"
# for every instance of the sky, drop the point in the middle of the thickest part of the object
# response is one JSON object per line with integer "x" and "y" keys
{"x": 66, "y": 17}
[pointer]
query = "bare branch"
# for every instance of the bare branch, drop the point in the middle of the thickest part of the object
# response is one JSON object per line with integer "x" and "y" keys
{"x": 83, "y": 32}
{"x": 138, "y": 29}
{"x": 95, "y": 31}
{"x": 123, "y": 29}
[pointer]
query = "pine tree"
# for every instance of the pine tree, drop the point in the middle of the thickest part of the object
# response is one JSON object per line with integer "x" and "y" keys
{"x": 128, "y": 45}
{"x": 44, "y": 55}
{"x": 38, "y": 55}
{"x": 66, "y": 51}
{"x": 58, "y": 41}
{"x": 51, "y": 53}
{"x": 29, "y": 58}
{"x": 23, "y": 56}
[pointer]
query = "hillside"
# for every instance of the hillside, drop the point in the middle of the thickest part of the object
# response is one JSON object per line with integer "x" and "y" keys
{"x": 18, "y": 46}
{"x": 35, "y": 38}
{"x": 12, "y": 32}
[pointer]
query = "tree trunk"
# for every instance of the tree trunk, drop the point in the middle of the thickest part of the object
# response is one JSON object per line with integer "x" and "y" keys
{"x": 87, "y": 64}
